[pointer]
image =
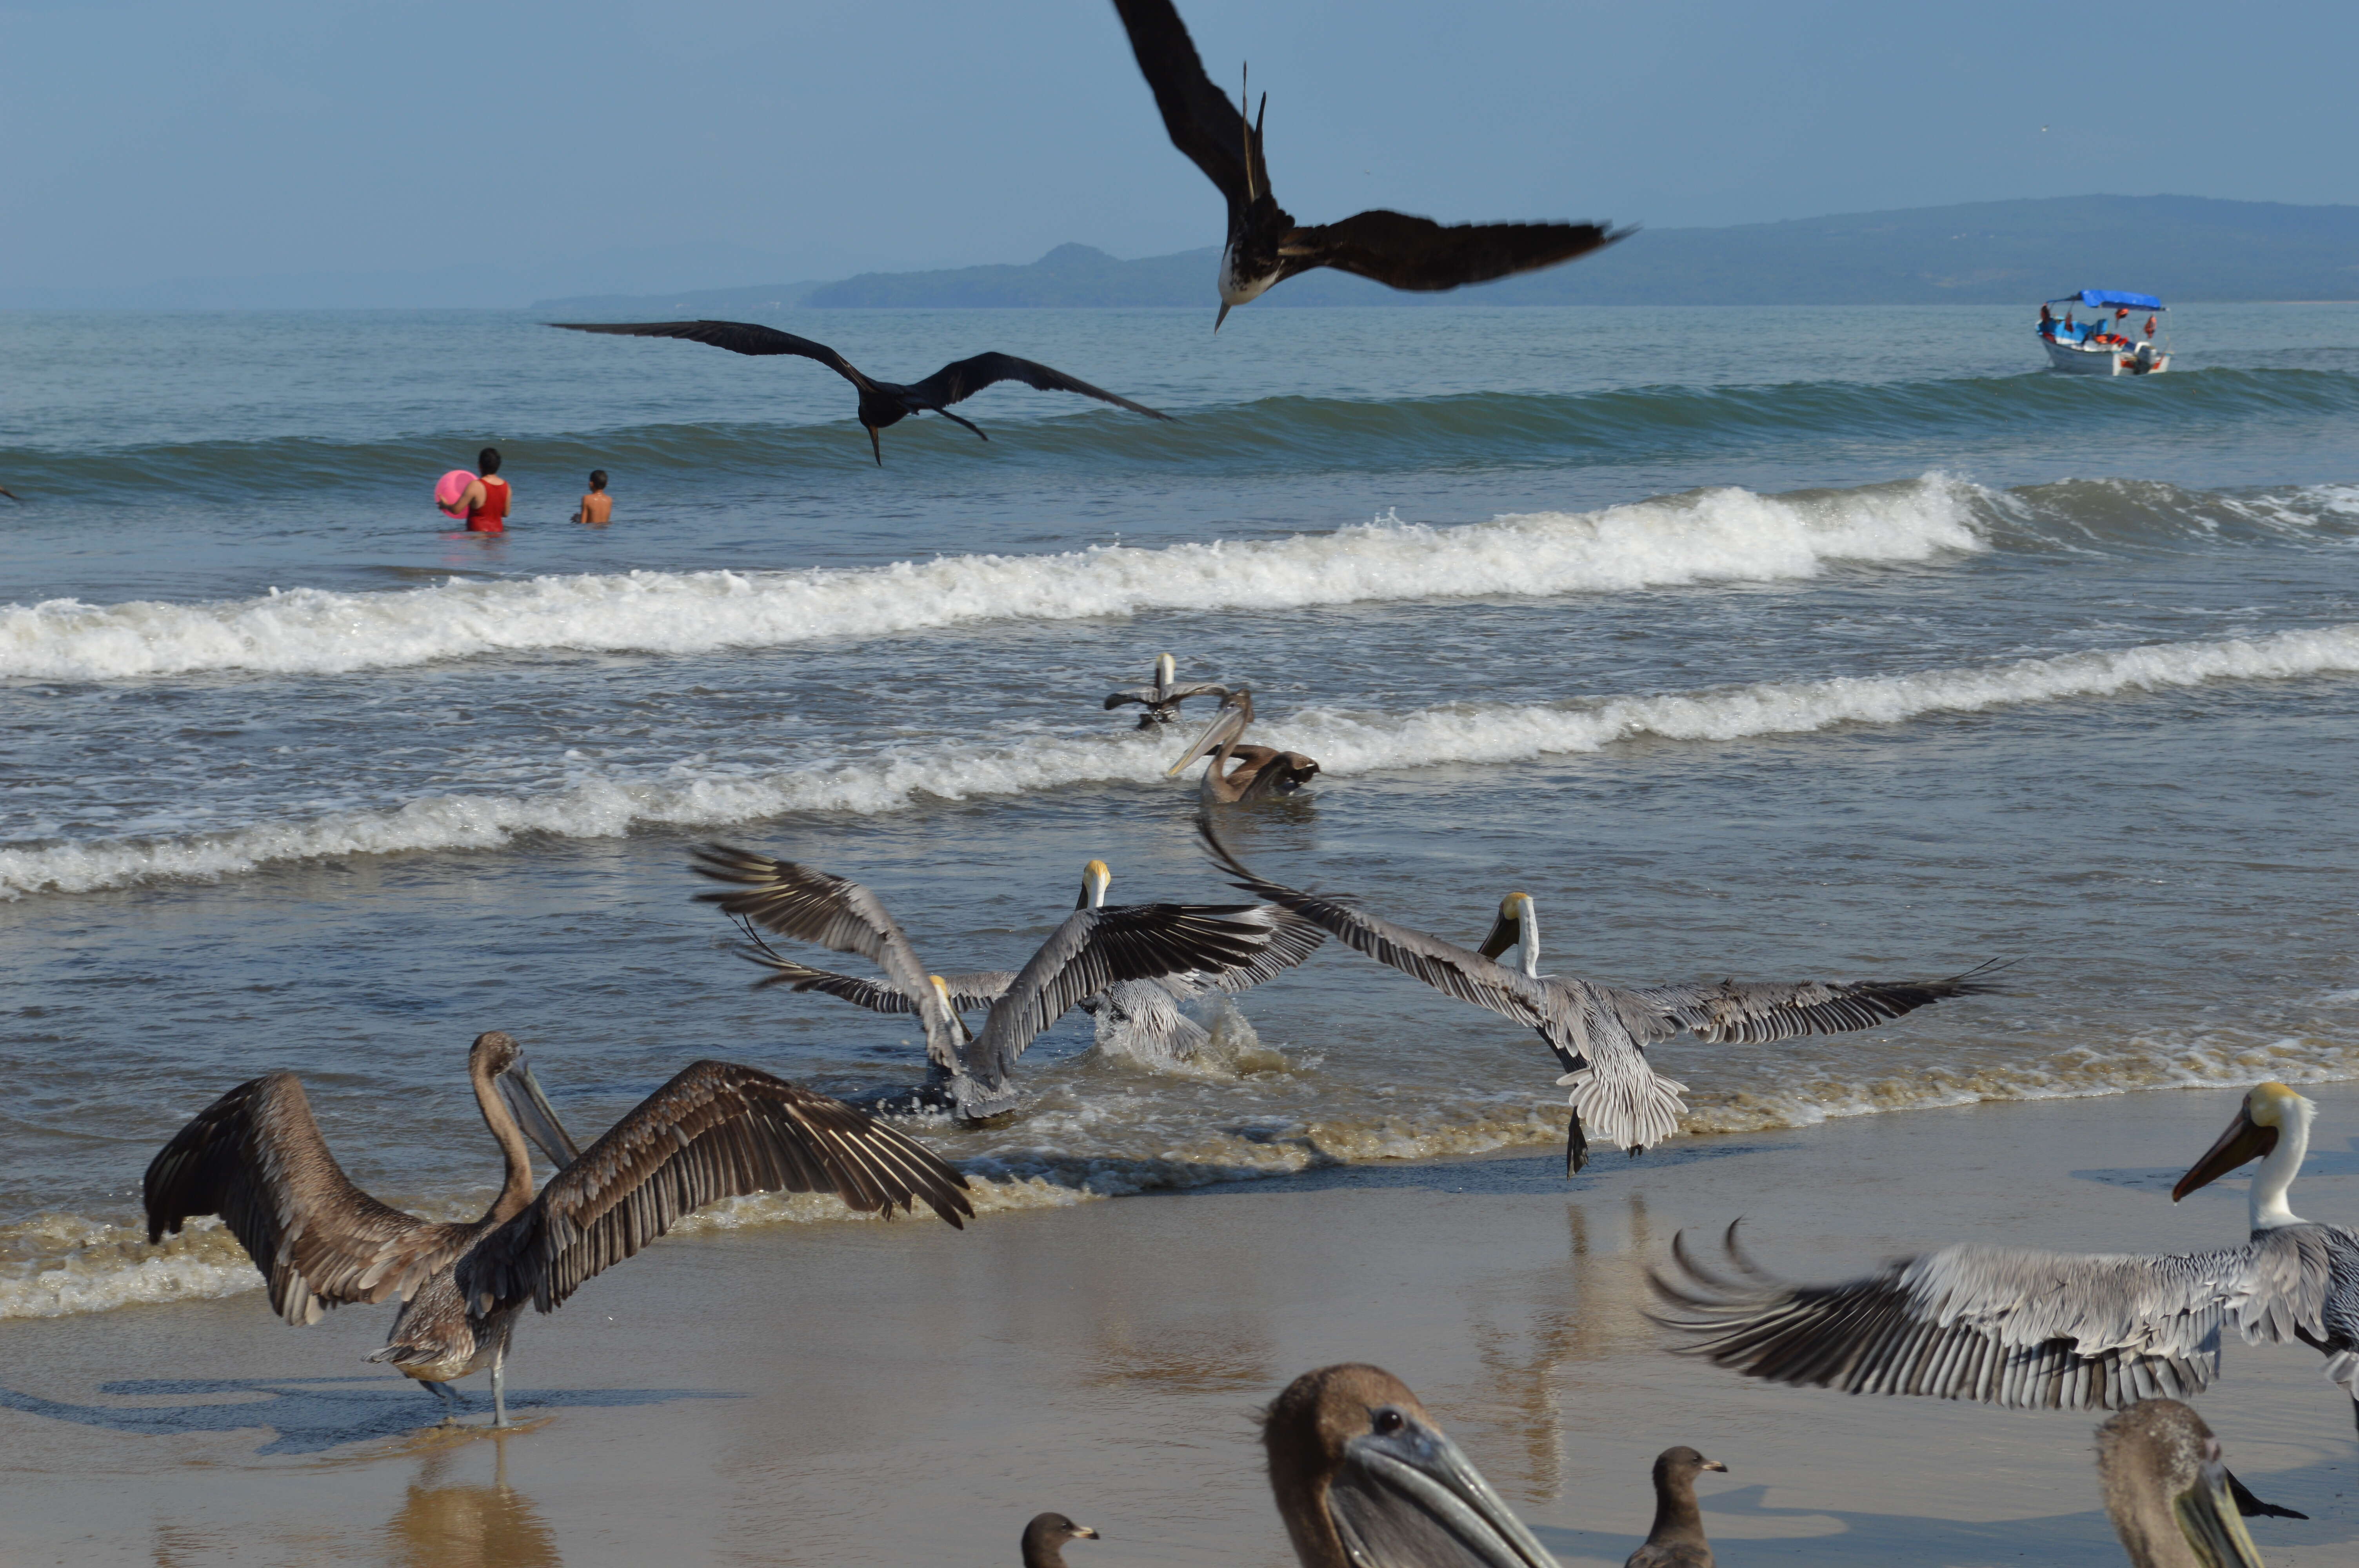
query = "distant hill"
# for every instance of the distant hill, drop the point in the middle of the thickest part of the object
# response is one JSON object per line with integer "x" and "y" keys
{"x": 1984, "y": 252}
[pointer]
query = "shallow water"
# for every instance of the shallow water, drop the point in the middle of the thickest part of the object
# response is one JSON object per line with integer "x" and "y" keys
{"x": 1773, "y": 644}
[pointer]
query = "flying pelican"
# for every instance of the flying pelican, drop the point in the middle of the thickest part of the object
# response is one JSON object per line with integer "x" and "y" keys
{"x": 1259, "y": 774}
{"x": 1600, "y": 1032}
{"x": 1676, "y": 1541}
{"x": 883, "y": 404}
{"x": 256, "y": 1158}
{"x": 1266, "y": 246}
{"x": 2172, "y": 1501}
{"x": 1162, "y": 695}
{"x": 1098, "y": 946}
{"x": 2010, "y": 1325}
{"x": 1045, "y": 1537}
{"x": 1365, "y": 1478}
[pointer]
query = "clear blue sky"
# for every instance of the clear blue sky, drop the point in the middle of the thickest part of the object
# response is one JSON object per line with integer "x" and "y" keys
{"x": 160, "y": 138}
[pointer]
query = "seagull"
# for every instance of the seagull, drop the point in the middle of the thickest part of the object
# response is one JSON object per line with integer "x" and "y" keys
{"x": 1162, "y": 695}
{"x": 1599, "y": 1032}
{"x": 1676, "y": 1541}
{"x": 883, "y": 404}
{"x": 1045, "y": 1537}
{"x": 1266, "y": 245}
{"x": 2172, "y": 1501}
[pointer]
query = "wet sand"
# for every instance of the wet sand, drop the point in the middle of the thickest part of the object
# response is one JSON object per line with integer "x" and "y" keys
{"x": 905, "y": 1394}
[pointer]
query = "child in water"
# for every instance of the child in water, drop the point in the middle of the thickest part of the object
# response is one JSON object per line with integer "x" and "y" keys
{"x": 597, "y": 507}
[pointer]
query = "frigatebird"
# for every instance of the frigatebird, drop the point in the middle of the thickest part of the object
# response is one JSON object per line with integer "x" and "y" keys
{"x": 1266, "y": 245}
{"x": 882, "y": 403}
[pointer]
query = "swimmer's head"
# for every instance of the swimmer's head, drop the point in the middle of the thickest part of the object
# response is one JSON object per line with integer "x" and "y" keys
{"x": 488, "y": 459}
{"x": 597, "y": 479}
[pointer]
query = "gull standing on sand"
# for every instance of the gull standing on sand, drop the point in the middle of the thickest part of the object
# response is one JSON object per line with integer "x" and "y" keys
{"x": 1600, "y": 1032}
{"x": 1264, "y": 246}
{"x": 256, "y": 1158}
{"x": 1676, "y": 1540}
{"x": 1162, "y": 695}
{"x": 1257, "y": 774}
{"x": 883, "y": 404}
{"x": 2009, "y": 1326}
{"x": 1122, "y": 957}
{"x": 2172, "y": 1501}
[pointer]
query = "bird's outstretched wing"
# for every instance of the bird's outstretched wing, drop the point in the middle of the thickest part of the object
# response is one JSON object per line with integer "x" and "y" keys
{"x": 962, "y": 379}
{"x": 256, "y": 1158}
{"x": 833, "y": 911}
{"x": 1182, "y": 692}
{"x": 1200, "y": 118}
{"x": 1760, "y": 1011}
{"x": 716, "y": 1130}
{"x": 967, "y": 991}
{"x": 737, "y": 337}
{"x": 1292, "y": 939}
{"x": 1417, "y": 253}
{"x": 1145, "y": 696}
{"x": 2005, "y": 1325}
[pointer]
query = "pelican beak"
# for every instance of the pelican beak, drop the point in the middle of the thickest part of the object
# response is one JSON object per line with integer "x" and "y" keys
{"x": 876, "y": 446}
{"x": 1409, "y": 1497}
{"x": 1227, "y": 725}
{"x": 530, "y": 1106}
{"x": 1508, "y": 929}
{"x": 2245, "y": 1140}
{"x": 2209, "y": 1518}
{"x": 1095, "y": 877}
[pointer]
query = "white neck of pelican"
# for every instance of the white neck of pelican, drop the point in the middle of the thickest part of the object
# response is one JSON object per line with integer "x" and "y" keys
{"x": 2273, "y": 1105}
{"x": 1167, "y": 671}
{"x": 1516, "y": 916}
{"x": 1095, "y": 879}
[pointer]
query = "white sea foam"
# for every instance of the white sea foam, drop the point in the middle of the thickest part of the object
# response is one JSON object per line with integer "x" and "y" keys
{"x": 1031, "y": 761}
{"x": 1709, "y": 535}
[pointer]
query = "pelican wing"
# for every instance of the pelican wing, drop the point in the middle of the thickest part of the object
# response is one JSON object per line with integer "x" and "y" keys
{"x": 832, "y": 912}
{"x": 1145, "y": 696}
{"x": 737, "y": 337}
{"x": 1199, "y": 117}
{"x": 256, "y": 1158}
{"x": 1292, "y": 939}
{"x": 1417, "y": 253}
{"x": 962, "y": 379}
{"x": 2008, "y": 1325}
{"x": 716, "y": 1130}
{"x": 1751, "y": 1014}
{"x": 1449, "y": 968}
{"x": 1195, "y": 688}
{"x": 1095, "y": 947}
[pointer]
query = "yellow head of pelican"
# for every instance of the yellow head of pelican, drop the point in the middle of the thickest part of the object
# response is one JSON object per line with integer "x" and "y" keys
{"x": 1095, "y": 879}
{"x": 1517, "y": 926}
{"x": 2270, "y": 1111}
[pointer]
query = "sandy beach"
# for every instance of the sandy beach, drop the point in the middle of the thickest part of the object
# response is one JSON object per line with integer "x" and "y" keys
{"x": 904, "y": 1393}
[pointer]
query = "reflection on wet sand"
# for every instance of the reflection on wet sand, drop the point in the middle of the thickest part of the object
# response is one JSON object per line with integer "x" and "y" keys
{"x": 444, "y": 1523}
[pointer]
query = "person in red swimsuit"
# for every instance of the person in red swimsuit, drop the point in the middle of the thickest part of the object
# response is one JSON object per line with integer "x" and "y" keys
{"x": 486, "y": 500}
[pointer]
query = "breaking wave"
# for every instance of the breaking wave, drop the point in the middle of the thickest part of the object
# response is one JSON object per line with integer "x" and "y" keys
{"x": 1020, "y": 762}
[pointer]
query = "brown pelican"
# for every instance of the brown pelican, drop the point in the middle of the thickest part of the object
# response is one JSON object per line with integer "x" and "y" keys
{"x": 1365, "y": 1478}
{"x": 2009, "y": 1326}
{"x": 1098, "y": 947}
{"x": 1676, "y": 1540}
{"x": 1045, "y": 1537}
{"x": 2172, "y": 1499}
{"x": 256, "y": 1158}
{"x": 1162, "y": 695}
{"x": 1600, "y": 1032}
{"x": 1266, "y": 246}
{"x": 1258, "y": 774}
{"x": 883, "y": 404}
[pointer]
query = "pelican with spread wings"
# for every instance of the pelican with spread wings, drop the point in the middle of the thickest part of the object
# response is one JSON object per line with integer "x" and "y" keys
{"x": 883, "y": 404}
{"x": 256, "y": 1158}
{"x": 1162, "y": 695}
{"x": 1600, "y": 1032}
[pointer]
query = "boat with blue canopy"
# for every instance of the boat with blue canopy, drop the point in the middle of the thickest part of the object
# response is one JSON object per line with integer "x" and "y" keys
{"x": 2106, "y": 343}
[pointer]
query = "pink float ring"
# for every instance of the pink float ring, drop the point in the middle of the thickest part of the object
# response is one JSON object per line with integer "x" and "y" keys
{"x": 450, "y": 488}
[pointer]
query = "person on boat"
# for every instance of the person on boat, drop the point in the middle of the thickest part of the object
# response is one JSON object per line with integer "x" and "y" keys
{"x": 2150, "y": 325}
{"x": 2047, "y": 323}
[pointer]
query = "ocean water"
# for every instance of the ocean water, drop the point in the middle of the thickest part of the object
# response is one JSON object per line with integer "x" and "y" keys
{"x": 1773, "y": 644}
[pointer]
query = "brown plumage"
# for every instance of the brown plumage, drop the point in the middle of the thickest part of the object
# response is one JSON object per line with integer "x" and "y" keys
{"x": 1364, "y": 1479}
{"x": 1238, "y": 772}
{"x": 1676, "y": 1540}
{"x": 1045, "y": 1537}
{"x": 256, "y": 1158}
{"x": 2170, "y": 1497}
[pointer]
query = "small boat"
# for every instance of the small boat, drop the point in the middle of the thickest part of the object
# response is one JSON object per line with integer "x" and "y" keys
{"x": 2098, "y": 346}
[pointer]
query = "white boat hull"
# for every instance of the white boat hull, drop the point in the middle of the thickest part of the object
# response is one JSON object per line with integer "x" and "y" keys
{"x": 2079, "y": 360}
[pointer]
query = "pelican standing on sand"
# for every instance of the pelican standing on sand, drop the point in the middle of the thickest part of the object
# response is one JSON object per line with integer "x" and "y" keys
{"x": 1364, "y": 1479}
{"x": 1264, "y": 246}
{"x": 1599, "y": 1032}
{"x": 256, "y": 1158}
{"x": 1237, "y": 771}
{"x": 1162, "y": 695}
{"x": 1676, "y": 1540}
{"x": 1095, "y": 950}
{"x": 2170, "y": 1497}
{"x": 883, "y": 404}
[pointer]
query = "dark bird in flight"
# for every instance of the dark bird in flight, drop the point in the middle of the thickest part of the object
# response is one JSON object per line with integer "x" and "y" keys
{"x": 882, "y": 403}
{"x": 1266, "y": 245}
